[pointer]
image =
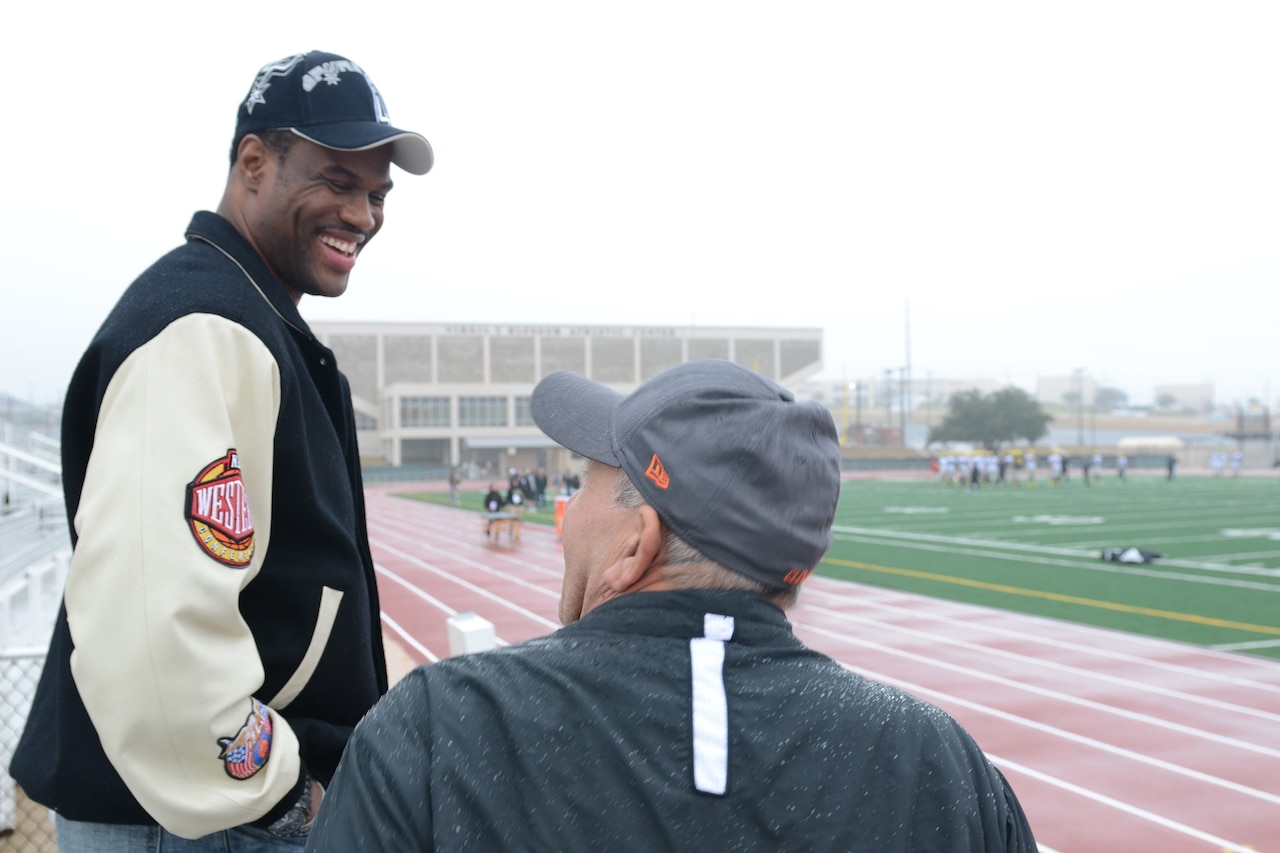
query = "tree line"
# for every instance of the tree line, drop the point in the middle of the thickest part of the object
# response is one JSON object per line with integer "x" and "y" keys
{"x": 1002, "y": 417}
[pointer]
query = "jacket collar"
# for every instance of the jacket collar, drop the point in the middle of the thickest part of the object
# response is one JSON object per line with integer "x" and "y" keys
{"x": 679, "y": 613}
{"x": 217, "y": 232}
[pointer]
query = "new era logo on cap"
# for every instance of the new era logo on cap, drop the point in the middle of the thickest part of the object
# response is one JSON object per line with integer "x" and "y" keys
{"x": 658, "y": 473}
{"x": 329, "y": 100}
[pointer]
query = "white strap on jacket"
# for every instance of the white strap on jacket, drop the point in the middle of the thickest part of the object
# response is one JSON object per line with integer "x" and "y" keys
{"x": 710, "y": 705}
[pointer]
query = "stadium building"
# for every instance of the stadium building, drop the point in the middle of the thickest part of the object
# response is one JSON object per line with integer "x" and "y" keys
{"x": 438, "y": 395}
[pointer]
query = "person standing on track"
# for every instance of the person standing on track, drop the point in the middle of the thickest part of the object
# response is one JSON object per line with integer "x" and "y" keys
{"x": 493, "y": 499}
{"x": 455, "y": 479}
{"x": 676, "y": 710}
{"x": 220, "y": 634}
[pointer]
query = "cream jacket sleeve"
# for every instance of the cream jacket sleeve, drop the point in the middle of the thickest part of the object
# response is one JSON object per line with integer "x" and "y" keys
{"x": 165, "y": 664}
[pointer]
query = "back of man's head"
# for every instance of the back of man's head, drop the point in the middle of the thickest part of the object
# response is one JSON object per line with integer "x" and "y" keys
{"x": 730, "y": 461}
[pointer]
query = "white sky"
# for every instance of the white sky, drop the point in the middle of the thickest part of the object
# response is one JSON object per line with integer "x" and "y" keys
{"x": 1047, "y": 186}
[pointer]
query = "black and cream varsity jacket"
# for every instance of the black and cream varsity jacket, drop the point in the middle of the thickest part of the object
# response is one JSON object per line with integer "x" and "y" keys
{"x": 220, "y": 625}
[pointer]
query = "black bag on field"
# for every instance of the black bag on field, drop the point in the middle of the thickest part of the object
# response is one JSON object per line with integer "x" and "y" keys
{"x": 1130, "y": 555}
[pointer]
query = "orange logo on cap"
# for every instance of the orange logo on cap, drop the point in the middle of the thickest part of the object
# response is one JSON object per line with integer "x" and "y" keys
{"x": 658, "y": 473}
{"x": 796, "y": 575}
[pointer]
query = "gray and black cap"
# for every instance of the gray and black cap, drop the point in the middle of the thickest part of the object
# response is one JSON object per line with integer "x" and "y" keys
{"x": 329, "y": 100}
{"x": 728, "y": 459}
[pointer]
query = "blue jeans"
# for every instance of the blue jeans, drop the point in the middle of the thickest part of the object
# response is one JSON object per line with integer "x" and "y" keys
{"x": 76, "y": 836}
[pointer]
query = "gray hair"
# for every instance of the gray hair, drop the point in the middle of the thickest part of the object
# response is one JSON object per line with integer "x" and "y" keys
{"x": 690, "y": 568}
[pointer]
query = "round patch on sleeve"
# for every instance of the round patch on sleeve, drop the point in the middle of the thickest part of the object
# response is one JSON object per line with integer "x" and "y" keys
{"x": 218, "y": 512}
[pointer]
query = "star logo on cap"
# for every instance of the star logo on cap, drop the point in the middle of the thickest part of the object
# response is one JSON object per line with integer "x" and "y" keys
{"x": 262, "y": 84}
{"x": 255, "y": 97}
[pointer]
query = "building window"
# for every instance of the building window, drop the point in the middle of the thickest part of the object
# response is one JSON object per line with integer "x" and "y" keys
{"x": 524, "y": 415}
{"x": 482, "y": 411}
{"x": 424, "y": 411}
{"x": 365, "y": 422}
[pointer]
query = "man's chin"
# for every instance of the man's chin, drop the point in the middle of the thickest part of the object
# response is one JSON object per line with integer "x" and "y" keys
{"x": 330, "y": 287}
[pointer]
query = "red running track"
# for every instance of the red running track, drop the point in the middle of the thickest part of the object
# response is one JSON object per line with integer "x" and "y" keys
{"x": 1113, "y": 742}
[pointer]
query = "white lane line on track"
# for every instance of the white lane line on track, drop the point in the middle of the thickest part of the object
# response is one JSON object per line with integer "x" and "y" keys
{"x": 454, "y": 556}
{"x": 939, "y": 697}
{"x": 408, "y": 638}
{"x": 976, "y": 675}
{"x": 452, "y": 578}
{"x": 523, "y": 560}
{"x": 877, "y": 598}
{"x": 1033, "y": 662}
{"x": 1222, "y": 843}
{"x": 415, "y": 589}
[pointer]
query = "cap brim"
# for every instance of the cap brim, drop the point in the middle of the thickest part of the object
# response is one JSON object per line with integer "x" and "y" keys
{"x": 578, "y": 414}
{"x": 410, "y": 151}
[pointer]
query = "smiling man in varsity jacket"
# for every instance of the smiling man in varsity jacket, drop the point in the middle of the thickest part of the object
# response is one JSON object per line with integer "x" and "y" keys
{"x": 220, "y": 632}
{"x": 676, "y": 710}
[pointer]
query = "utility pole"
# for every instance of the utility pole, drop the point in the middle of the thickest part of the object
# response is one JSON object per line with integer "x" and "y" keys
{"x": 1080, "y": 406}
{"x": 857, "y": 408}
{"x": 928, "y": 399}
{"x": 906, "y": 370}
{"x": 903, "y": 399}
{"x": 844, "y": 408}
{"x": 888, "y": 399}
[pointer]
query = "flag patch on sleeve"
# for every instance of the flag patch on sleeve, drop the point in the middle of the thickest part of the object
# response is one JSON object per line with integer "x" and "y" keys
{"x": 247, "y": 752}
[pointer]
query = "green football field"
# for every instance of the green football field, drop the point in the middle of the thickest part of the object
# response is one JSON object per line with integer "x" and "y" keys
{"x": 1037, "y": 549}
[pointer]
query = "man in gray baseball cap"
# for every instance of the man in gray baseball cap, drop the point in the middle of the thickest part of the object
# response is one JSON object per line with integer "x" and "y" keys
{"x": 675, "y": 710}
{"x": 739, "y": 475}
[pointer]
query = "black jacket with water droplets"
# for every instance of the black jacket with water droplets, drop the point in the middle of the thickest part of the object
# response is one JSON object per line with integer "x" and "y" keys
{"x": 582, "y": 741}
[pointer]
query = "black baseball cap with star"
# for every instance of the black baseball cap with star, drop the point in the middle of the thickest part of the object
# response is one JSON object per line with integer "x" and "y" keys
{"x": 329, "y": 100}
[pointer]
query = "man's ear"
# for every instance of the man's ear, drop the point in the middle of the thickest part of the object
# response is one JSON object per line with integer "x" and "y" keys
{"x": 641, "y": 549}
{"x": 253, "y": 159}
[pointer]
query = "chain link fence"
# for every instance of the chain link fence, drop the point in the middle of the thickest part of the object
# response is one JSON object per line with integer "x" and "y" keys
{"x": 25, "y": 827}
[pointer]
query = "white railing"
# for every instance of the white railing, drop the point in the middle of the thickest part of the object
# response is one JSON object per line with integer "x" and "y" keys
{"x": 35, "y": 552}
{"x": 45, "y": 479}
{"x": 29, "y": 603}
{"x": 43, "y": 444}
{"x": 34, "y": 548}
